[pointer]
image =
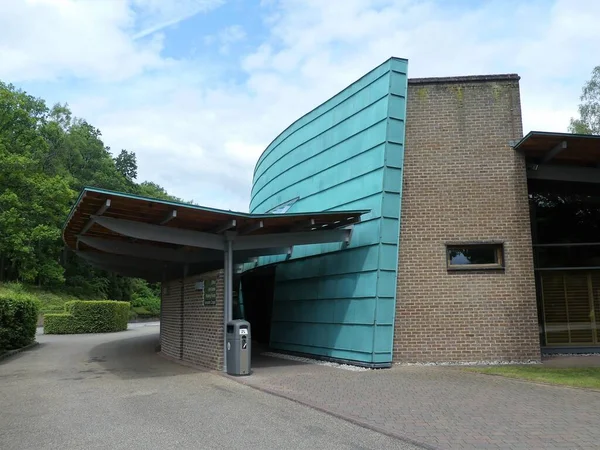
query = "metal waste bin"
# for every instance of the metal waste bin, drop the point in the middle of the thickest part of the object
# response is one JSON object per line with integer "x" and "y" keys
{"x": 238, "y": 347}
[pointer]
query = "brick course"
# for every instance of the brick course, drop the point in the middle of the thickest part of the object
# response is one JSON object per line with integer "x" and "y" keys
{"x": 190, "y": 331}
{"x": 464, "y": 183}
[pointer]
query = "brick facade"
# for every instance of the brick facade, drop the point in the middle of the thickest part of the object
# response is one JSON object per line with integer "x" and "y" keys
{"x": 464, "y": 183}
{"x": 190, "y": 331}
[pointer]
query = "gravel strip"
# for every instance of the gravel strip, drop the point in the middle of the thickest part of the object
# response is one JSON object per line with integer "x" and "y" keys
{"x": 316, "y": 361}
{"x": 472, "y": 363}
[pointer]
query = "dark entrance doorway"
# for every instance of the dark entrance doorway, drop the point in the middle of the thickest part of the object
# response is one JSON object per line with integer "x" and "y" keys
{"x": 257, "y": 292}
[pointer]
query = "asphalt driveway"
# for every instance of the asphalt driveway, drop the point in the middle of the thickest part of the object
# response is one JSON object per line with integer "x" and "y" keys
{"x": 113, "y": 392}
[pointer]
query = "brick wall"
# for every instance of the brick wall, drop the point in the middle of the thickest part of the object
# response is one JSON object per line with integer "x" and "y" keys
{"x": 190, "y": 331}
{"x": 464, "y": 183}
{"x": 170, "y": 322}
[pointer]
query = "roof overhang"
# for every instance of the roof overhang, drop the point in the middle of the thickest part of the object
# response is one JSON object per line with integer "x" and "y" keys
{"x": 561, "y": 156}
{"x": 560, "y": 148}
{"x": 154, "y": 239}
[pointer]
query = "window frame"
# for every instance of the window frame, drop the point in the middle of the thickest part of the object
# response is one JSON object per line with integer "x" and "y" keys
{"x": 499, "y": 264}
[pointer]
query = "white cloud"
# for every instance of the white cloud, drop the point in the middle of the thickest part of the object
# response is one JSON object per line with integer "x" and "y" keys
{"x": 198, "y": 130}
{"x": 331, "y": 44}
{"x": 155, "y": 15}
{"x": 226, "y": 38}
{"x": 90, "y": 40}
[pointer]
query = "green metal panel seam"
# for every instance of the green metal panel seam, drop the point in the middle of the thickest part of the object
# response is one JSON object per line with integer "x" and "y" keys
{"x": 381, "y": 217}
{"x": 400, "y": 210}
{"x": 264, "y": 154}
{"x": 322, "y": 132}
{"x": 254, "y": 194}
{"x": 326, "y": 189}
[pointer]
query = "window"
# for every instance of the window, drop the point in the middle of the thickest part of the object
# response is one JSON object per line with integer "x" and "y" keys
{"x": 284, "y": 207}
{"x": 475, "y": 256}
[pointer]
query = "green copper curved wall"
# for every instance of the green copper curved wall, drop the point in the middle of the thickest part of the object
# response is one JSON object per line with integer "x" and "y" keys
{"x": 345, "y": 154}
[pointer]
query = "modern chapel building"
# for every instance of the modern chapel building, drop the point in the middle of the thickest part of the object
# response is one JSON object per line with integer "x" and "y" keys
{"x": 403, "y": 220}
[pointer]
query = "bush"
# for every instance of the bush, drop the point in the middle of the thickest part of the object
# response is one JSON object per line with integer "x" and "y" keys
{"x": 63, "y": 323}
{"x": 102, "y": 316}
{"x": 18, "y": 320}
{"x": 146, "y": 306}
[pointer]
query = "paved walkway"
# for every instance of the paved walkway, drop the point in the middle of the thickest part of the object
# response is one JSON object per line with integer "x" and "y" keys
{"x": 113, "y": 392}
{"x": 442, "y": 407}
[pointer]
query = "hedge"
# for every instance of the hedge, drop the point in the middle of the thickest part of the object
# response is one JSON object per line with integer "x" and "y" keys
{"x": 103, "y": 316}
{"x": 18, "y": 320}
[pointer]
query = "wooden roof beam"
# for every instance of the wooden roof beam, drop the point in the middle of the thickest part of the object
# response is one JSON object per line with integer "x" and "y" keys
{"x": 252, "y": 228}
{"x": 172, "y": 215}
{"x": 225, "y": 226}
{"x": 555, "y": 151}
{"x": 91, "y": 221}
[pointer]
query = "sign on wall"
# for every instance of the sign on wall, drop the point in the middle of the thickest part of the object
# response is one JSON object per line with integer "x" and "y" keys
{"x": 210, "y": 292}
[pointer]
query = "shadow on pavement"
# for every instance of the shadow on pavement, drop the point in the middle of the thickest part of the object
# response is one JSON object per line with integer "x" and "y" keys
{"x": 134, "y": 358}
{"x": 261, "y": 361}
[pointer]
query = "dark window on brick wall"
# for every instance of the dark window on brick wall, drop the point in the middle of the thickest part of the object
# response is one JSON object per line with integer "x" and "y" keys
{"x": 475, "y": 256}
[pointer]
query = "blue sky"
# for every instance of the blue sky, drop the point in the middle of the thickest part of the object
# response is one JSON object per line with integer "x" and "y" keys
{"x": 198, "y": 88}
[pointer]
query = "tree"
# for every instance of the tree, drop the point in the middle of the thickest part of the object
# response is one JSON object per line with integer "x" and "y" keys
{"x": 589, "y": 109}
{"x": 46, "y": 157}
{"x": 126, "y": 164}
{"x": 153, "y": 190}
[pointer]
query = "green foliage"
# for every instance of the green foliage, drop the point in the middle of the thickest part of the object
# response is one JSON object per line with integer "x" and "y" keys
{"x": 46, "y": 157}
{"x": 49, "y": 301}
{"x": 101, "y": 316}
{"x": 145, "y": 300}
{"x": 589, "y": 109}
{"x": 61, "y": 323}
{"x": 150, "y": 189}
{"x": 126, "y": 165}
{"x": 18, "y": 319}
{"x": 146, "y": 306}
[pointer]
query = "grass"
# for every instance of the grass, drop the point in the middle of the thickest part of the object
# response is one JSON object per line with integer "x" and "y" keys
{"x": 50, "y": 302}
{"x": 576, "y": 377}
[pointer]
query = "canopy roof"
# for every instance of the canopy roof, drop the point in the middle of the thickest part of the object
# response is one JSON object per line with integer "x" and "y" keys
{"x": 562, "y": 148}
{"x": 154, "y": 239}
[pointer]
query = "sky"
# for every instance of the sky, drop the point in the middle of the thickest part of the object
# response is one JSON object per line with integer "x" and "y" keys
{"x": 198, "y": 88}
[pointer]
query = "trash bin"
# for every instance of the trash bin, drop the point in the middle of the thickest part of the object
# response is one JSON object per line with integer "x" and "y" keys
{"x": 238, "y": 347}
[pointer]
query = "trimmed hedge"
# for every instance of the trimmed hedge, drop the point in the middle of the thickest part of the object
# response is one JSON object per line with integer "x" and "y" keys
{"x": 63, "y": 323}
{"x": 103, "y": 316}
{"x": 18, "y": 320}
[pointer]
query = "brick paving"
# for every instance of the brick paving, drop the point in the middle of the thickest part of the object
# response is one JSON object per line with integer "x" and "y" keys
{"x": 441, "y": 407}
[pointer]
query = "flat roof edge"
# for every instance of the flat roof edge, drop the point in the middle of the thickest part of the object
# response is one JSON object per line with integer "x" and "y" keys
{"x": 553, "y": 134}
{"x": 466, "y": 79}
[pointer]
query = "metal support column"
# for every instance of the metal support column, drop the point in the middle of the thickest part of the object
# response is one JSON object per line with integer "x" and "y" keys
{"x": 229, "y": 280}
{"x": 228, "y": 295}
{"x": 225, "y": 259}
{"x": 163, "y": 285}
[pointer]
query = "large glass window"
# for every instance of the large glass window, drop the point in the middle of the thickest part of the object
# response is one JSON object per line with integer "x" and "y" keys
{"x": 474, "y": 256}
{"x": 565, "y": 219}
{"x": 284, "y": 207}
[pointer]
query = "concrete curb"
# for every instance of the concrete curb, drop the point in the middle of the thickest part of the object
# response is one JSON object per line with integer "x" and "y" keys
{"x": 10, "y": 353}
{"x": 337, "y": 415}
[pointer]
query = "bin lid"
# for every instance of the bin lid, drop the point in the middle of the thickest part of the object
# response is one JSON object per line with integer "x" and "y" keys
{"x": 237, "y": 324}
